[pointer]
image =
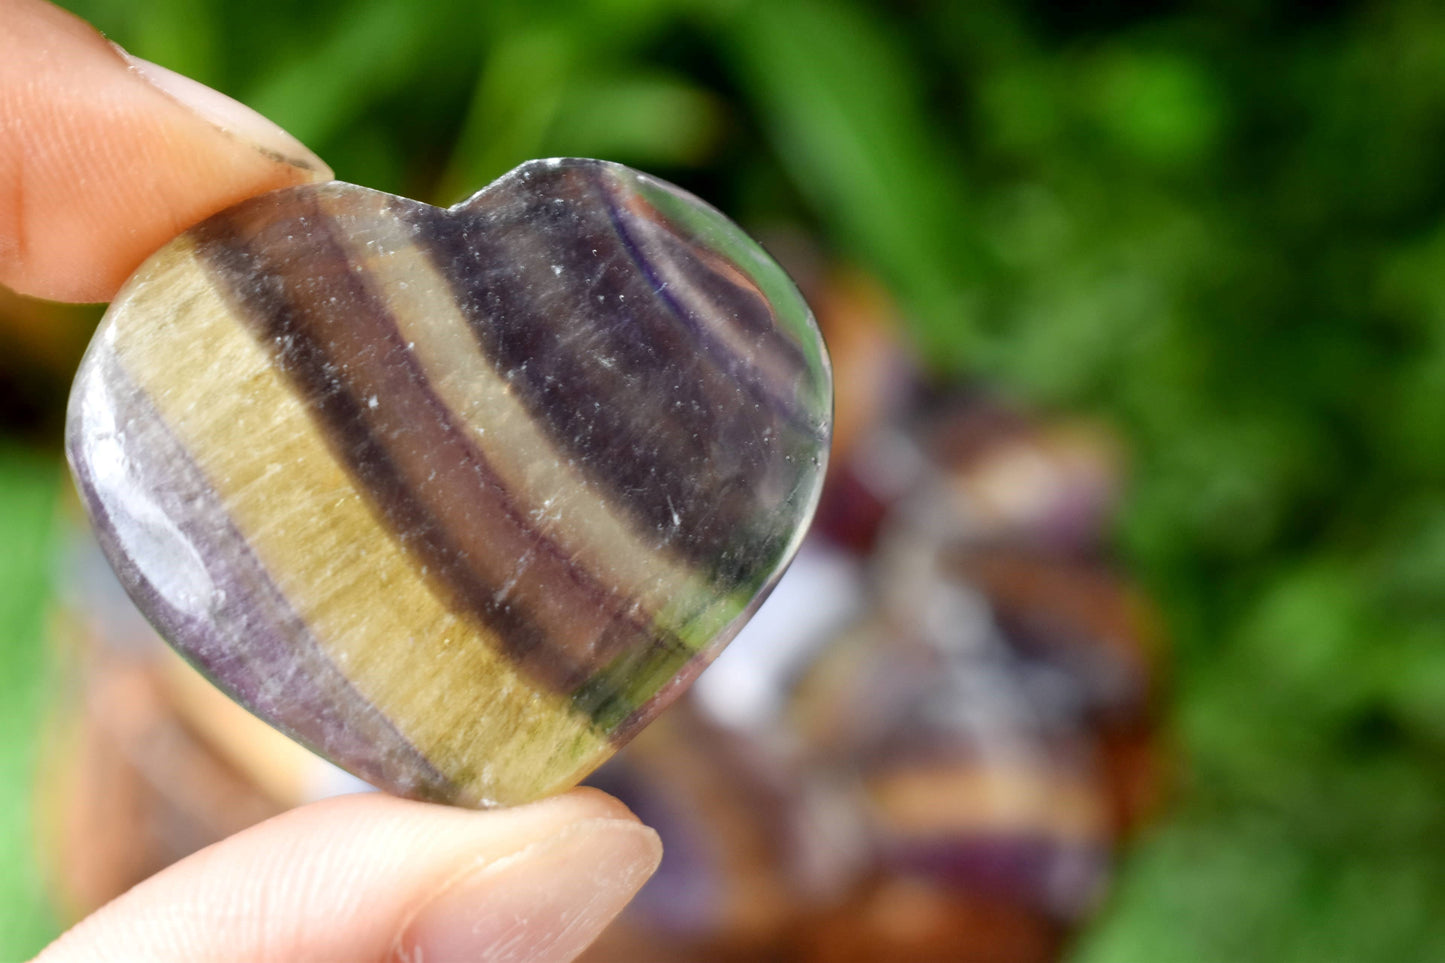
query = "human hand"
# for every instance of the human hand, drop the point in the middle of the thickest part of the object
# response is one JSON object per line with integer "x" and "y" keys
{"x": 370, "y": 877}
{"x": 99, "y": 166}
{"x": 104, "y": 158}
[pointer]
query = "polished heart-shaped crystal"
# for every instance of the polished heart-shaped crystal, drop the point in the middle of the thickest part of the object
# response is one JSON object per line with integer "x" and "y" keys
{"x": 458, "y": 498}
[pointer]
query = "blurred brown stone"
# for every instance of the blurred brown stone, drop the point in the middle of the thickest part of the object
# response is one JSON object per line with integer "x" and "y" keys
{"x": 131, "y": 788}
{"x": 902, "y": 921}
{"x": 722, "y": 891}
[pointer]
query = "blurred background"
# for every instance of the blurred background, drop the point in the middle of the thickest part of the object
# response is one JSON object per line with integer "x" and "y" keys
{"x": 1188, "y": 258}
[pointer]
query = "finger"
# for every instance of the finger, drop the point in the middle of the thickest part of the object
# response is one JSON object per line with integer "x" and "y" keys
{"x": 104, "y": 158}
{"x": 375, "y": 878}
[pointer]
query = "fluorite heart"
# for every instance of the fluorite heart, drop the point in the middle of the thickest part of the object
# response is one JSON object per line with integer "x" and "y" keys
{"x": 458, "y": 498}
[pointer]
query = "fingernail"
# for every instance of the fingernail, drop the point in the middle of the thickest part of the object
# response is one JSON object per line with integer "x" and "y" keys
{"x": 231, "y": 116}
{"x": 543, "y": 904}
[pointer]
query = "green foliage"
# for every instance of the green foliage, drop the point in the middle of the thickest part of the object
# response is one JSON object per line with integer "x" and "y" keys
{"x": 27, "y": 490}
{"x": 1219, "y": 226}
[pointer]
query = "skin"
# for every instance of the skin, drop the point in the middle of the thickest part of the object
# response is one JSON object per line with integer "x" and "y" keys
{"x": 102, "y": 160}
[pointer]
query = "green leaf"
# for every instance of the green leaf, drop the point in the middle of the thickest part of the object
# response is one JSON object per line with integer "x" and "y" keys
{"x": 843, "y": 110}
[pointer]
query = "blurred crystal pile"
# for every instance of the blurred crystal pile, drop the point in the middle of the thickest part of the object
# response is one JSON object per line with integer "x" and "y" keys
{"x": 928, "y": 745}
{"x": 933, "y": 739}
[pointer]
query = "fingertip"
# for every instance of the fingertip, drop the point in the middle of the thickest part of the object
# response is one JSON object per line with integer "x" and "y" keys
{"x": 598, "y": 802}
{"x": 543, "y": 904}
{"x": 102, "y": 160}
{"x": 232, "y": 117}
{"x": 356, "y": 877}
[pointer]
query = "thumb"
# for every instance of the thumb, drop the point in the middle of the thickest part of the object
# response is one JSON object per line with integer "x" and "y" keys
{"x": 104, "y": 158}
{"x": 375, "y": 878}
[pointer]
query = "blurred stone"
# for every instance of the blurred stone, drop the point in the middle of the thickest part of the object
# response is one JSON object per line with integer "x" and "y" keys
{"x": 130, "y": 787}
{"x": 878, "y": 385}
{"x": 460, "y": 499}
{"x": 725, "y": 809}
{"x": 993, "y": 730}
{"x": 1048, "y": 487}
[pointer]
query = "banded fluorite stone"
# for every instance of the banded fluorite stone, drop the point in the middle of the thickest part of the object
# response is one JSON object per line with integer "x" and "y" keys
{"x": 458, "y": 498}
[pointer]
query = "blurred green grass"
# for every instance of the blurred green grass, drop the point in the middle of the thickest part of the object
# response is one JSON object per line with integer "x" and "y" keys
{"x": 28, "y": 484}
{"x": 1220, "y": 226}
